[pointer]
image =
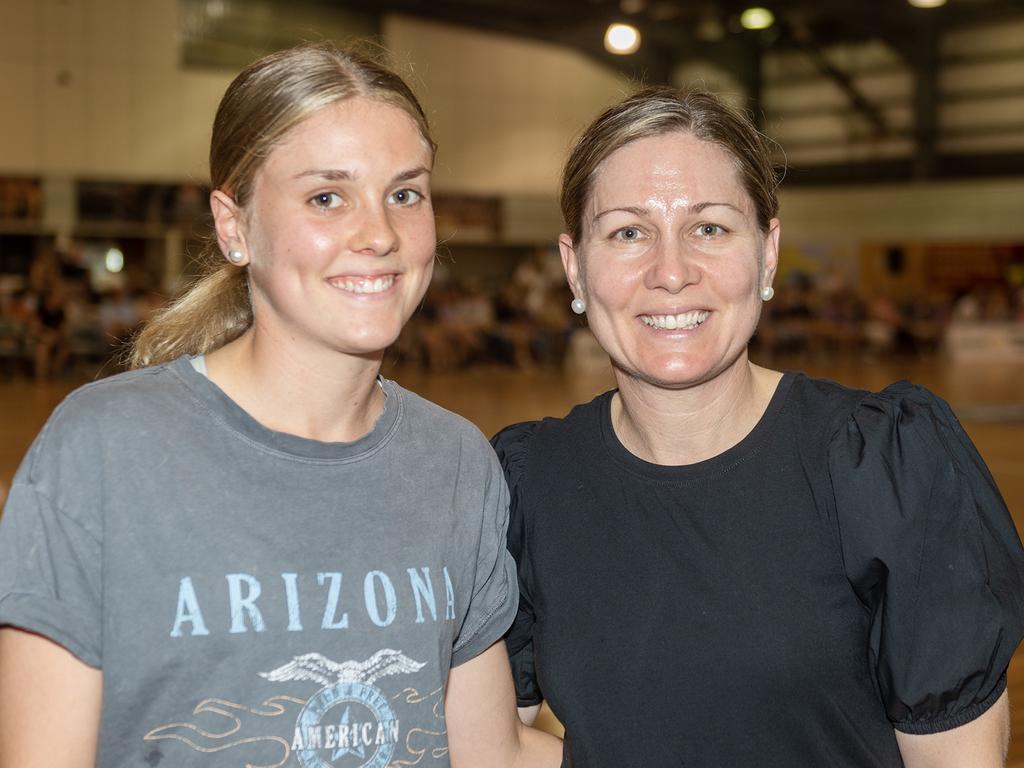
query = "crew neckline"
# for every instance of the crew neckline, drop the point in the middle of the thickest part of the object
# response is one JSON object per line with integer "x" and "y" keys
{"x": 745, "y": 449}
{"x": 234, "y": 418}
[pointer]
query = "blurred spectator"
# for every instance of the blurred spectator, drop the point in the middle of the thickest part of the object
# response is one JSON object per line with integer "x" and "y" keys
{"x": 118, "y": 316}
{"x": 926, "y": 320}
{"x": 787, "y": 320}
{"x": 514, "y": 329}
{"x": 460, "y": 335}
{"x": 15, "y": 321}
{"x": 49, "y": 335}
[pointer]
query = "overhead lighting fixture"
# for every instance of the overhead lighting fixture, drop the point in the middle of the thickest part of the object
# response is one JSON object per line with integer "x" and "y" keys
{"x": 757, "y": 18}
{"x": 622, "y": 39}
{"x": 927, "y": 3}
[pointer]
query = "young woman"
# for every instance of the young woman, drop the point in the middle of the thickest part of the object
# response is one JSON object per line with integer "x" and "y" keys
{"x": 253, "y": 550}
{"x": 750, "y": 567}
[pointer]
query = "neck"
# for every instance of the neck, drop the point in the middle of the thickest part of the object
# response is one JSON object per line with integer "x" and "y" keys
{"x": 684, "y": 426}
{"x": 322, "y": 395}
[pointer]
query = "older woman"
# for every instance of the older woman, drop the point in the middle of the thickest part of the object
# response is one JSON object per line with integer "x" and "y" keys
{"x": 725, "y": 565}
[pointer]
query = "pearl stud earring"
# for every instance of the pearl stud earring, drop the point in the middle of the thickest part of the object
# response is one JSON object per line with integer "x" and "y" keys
{"x": 767, "y": 293}
{"x": 235, "y": 257}
{"x": 579, "y": 306}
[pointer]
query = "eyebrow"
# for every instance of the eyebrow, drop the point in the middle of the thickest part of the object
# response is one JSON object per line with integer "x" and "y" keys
{"x": 626, "y": 209}
{"x": 641, "y": 211}
{"x": 332, "y": 174}
{"x": 412, "y": 173}
{"x": 328, "y": 173}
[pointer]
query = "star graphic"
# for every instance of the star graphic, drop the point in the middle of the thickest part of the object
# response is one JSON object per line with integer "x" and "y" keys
{"x": 359, "y": 751}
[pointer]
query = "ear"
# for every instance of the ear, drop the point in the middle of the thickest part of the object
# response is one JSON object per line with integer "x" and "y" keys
{"x": 771, "y": 252}
{"x": 571, "y": 265}
{"x": 228, "y": 221}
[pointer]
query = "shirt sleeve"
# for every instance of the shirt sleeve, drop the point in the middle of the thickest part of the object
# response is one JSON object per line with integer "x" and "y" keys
{"x": 50, "y": 563}
{"x": 493, "y": 602}
{"x": 511, "y": 445}
{"x": 931, "y": 550}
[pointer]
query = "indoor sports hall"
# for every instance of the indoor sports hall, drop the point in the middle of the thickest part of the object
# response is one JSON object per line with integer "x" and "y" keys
{"x": 899, "y": 125}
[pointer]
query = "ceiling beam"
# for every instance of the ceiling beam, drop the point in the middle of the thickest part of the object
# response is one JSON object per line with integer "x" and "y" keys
{"x": 802, "y": 37}
{"x": 926, "y": 66}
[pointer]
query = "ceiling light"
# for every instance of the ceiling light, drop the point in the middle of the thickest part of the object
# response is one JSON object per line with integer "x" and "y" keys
{"x": 926, "y": 3}
{"x": 622, "y": 39}
{"x": 757, "y": 18}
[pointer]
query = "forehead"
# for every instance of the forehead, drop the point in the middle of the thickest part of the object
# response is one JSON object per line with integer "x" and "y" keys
{"x": 355, "y": 130}
{"x": 672, "y": 164}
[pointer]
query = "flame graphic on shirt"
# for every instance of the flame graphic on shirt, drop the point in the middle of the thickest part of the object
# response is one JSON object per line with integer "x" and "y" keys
{"x": 228, "y": 726}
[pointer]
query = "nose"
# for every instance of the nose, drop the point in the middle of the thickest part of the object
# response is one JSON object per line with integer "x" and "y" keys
{"x": 375, "y": 233}
{"x": 673, "y": 266}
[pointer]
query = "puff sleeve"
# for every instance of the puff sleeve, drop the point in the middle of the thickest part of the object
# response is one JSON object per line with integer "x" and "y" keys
{"x": 932, "y": 553}
{"x": 512, "y": 445}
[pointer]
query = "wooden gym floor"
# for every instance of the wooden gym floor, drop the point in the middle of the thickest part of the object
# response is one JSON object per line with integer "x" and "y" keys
{"x": 989, "y": 399}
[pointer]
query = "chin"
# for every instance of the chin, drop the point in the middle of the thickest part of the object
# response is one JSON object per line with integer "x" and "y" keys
{"x": 675, "y": 374}
{"x": 660, "y": 377}
{"x": 367, "y": 346}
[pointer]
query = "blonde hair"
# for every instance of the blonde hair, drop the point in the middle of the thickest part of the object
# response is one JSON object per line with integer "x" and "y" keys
{"x": 266, "y": 101}
{"x": 658, "y": 110}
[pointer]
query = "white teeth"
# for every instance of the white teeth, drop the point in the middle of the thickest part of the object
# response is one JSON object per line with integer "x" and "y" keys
{"x": 685, "y": 321}
{"x": 365, "y": 284}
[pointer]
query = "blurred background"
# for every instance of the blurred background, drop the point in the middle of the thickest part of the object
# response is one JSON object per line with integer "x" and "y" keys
{"x": 901, "y": 127}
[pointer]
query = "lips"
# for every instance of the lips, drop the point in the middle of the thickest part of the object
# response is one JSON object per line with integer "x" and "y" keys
{"x": 685, "y": 321}
{"x": 363, "y": 284}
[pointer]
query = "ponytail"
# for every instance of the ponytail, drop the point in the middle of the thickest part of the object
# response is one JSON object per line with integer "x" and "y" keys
{"x": 212, "y": 312}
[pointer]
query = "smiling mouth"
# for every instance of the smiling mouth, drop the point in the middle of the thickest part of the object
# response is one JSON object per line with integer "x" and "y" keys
{"x": 363, "y": 284}
{"x": 686, "y": 321}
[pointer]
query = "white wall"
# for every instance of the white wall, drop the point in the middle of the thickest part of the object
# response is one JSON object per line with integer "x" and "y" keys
{"x": 986, "y": 210}
{"x": 92, "y": 89}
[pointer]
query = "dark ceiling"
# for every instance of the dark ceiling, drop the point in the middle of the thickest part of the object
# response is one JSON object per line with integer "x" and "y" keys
{"x": 677, "y": 31}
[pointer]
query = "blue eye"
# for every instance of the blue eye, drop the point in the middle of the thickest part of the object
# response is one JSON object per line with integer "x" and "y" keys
{"x": 326, "y": 200}
{"x": 405, "y": 197}
{"x": 709, "y": 231}
{"x": 627, "y": 234}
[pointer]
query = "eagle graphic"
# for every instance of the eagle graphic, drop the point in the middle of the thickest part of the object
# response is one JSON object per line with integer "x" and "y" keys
{"x": 320, "y": 669}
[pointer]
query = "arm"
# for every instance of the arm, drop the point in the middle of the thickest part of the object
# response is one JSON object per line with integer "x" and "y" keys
{"x": 980, "y": 743}
{"x": 483, "y": 729}
{"x": 49, "y": 704}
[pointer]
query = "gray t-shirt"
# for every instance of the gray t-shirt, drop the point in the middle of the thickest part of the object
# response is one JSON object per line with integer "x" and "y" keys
{"x": 257, "y": 598}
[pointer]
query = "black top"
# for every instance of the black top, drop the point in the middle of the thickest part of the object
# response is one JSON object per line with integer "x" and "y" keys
{"x": 847, "y": 568}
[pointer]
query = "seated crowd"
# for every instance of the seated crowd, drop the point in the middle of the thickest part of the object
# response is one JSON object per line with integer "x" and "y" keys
{"x": 53, "y": 323}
